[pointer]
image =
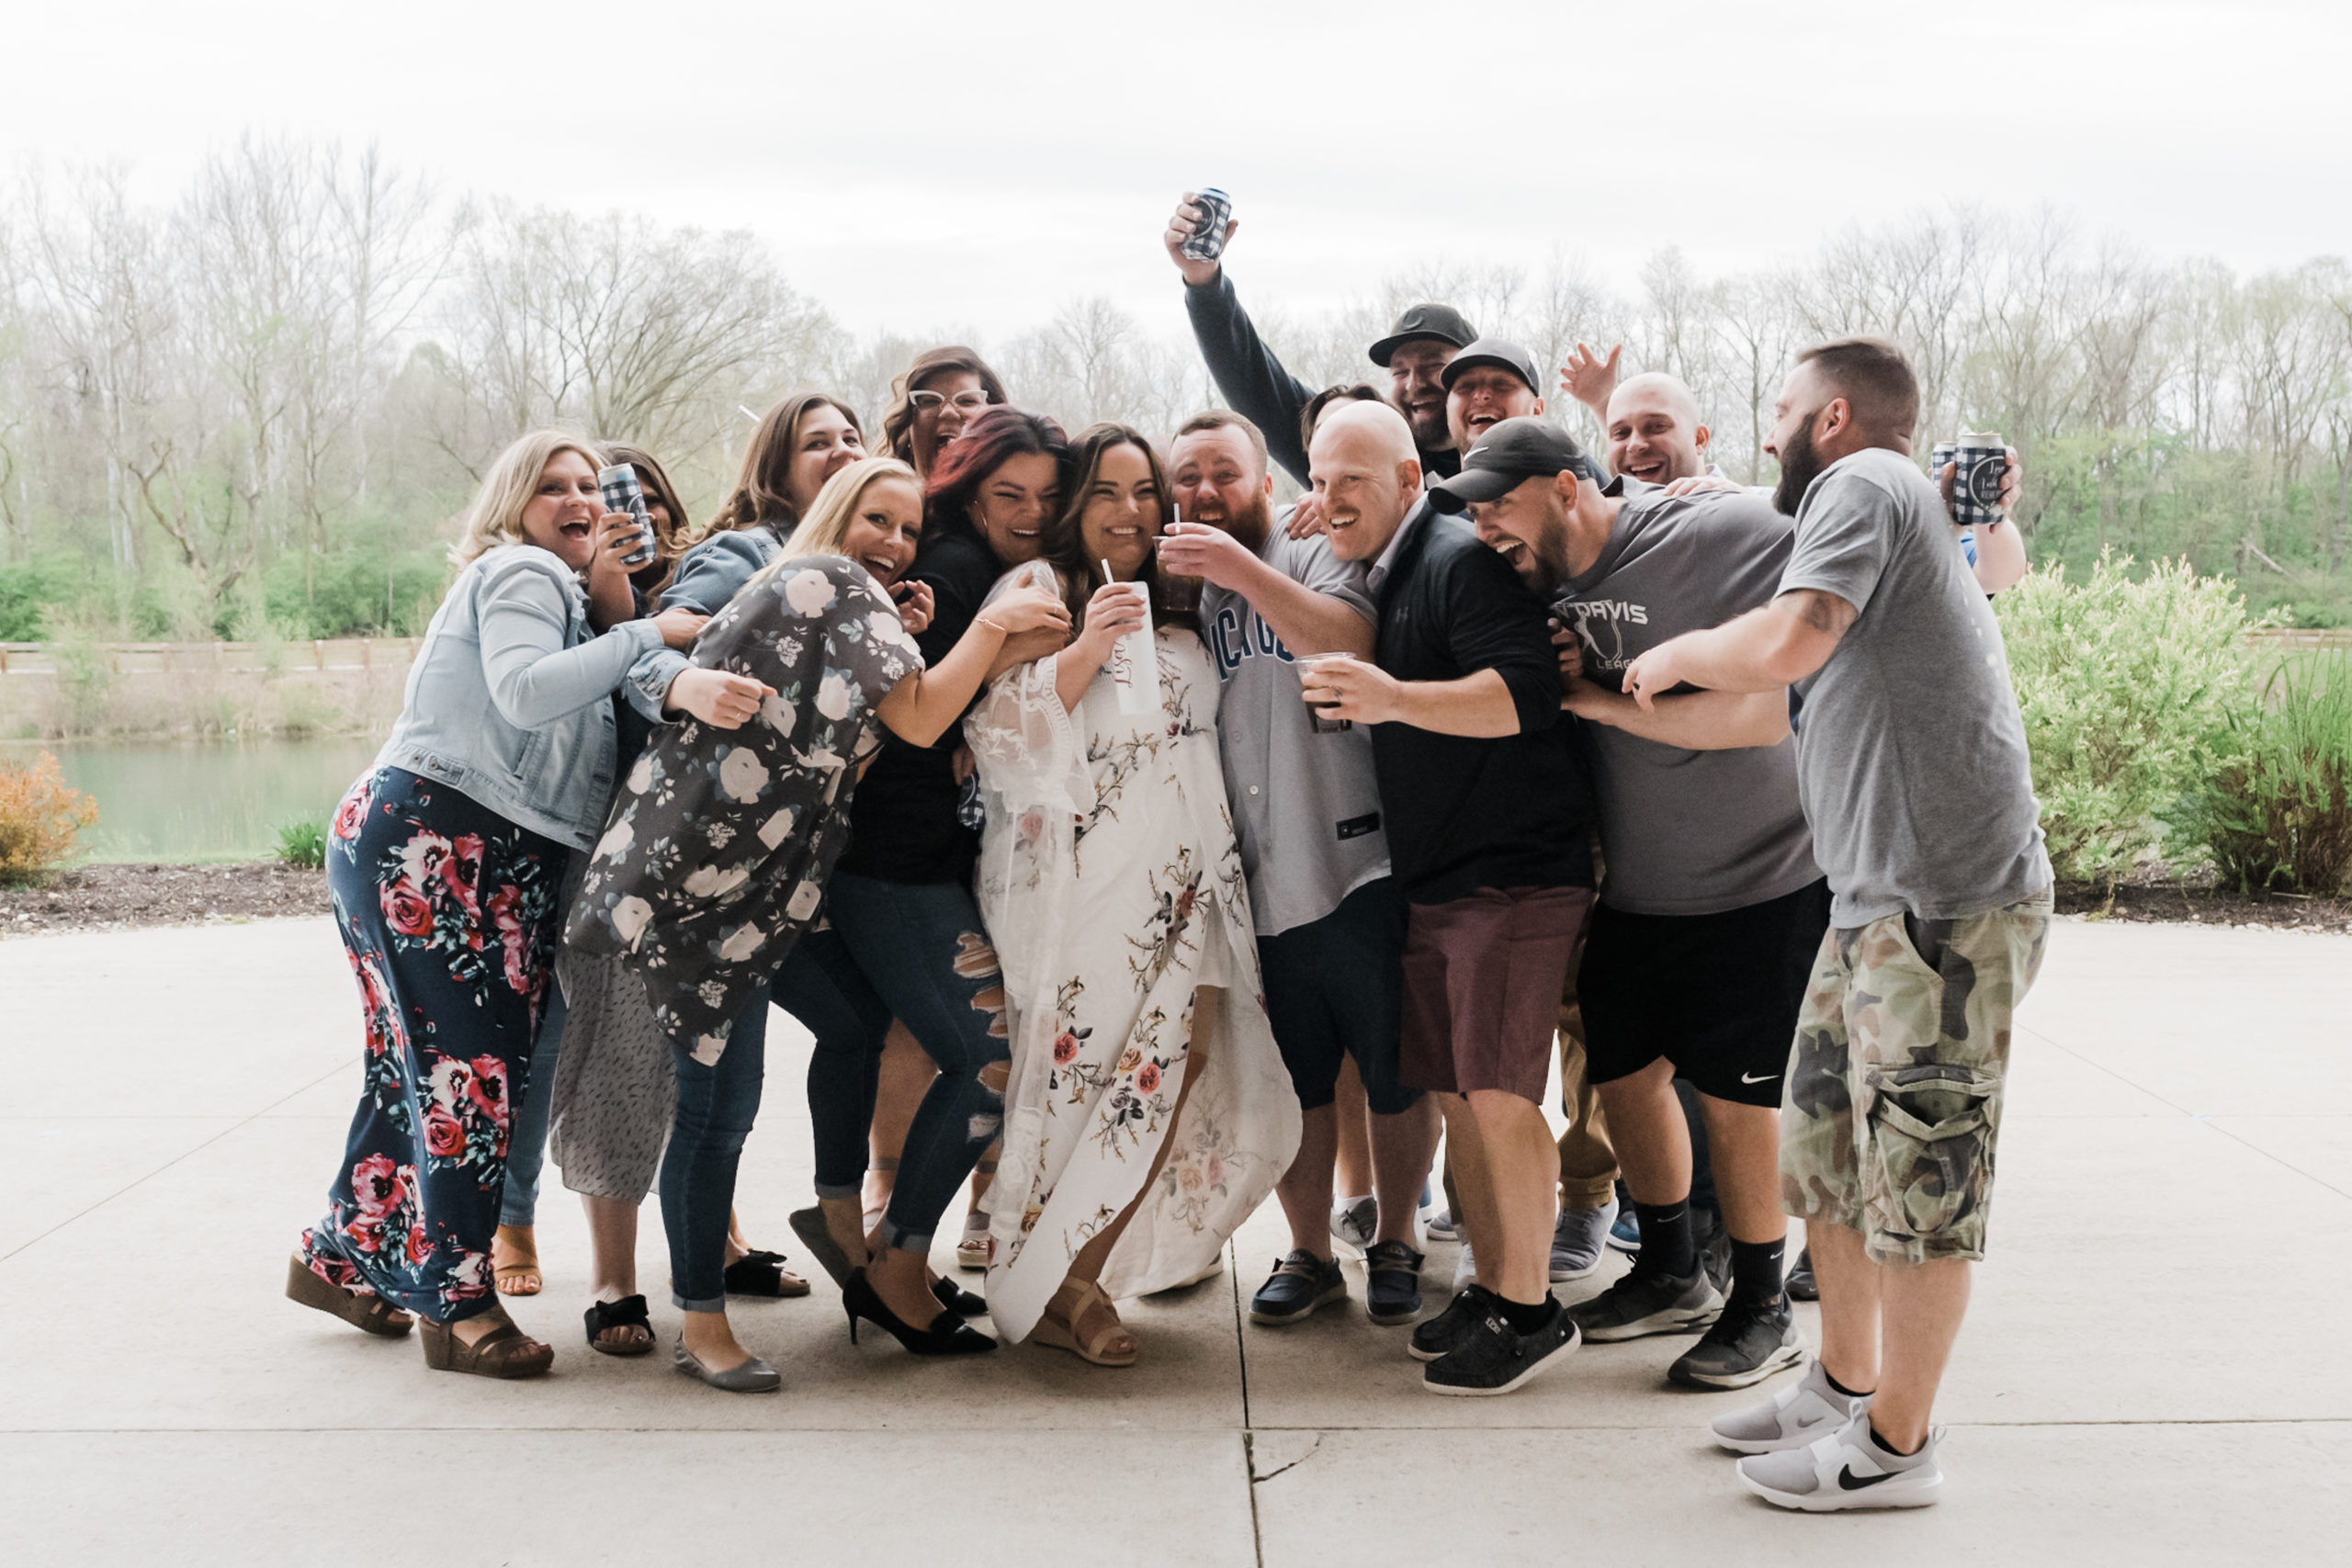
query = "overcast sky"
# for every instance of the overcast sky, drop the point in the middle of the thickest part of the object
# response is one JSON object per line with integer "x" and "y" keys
{"x": 933, "y": 166}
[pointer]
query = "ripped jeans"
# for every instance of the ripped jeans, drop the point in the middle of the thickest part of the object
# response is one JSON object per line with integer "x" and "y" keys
{"x": 915, "y": 952}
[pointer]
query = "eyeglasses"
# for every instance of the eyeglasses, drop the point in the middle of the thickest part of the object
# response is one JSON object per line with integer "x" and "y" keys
{"x": 969, "y": 402}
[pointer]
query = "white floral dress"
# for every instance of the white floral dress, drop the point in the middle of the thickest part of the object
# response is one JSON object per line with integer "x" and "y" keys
{"x": 1110, "y": 875}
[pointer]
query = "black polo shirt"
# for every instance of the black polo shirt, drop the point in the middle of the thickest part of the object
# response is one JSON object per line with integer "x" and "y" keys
{"x": 1461, "y": 814}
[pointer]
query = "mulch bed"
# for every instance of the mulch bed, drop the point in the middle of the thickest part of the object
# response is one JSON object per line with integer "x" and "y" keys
{"x": 116, "y": 897}
{"x": 119, "y": 897}
{"x": 2179, "y": 903}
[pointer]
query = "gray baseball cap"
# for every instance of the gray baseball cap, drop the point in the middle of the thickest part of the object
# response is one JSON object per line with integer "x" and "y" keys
{"x": 1494, "y": 351}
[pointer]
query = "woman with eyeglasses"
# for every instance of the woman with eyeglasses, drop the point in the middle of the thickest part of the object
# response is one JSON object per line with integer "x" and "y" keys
{"x": 943, "y": 391}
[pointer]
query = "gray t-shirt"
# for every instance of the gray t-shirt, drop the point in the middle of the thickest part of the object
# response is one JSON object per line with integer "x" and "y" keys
{"x": 1686, "y": 832}
{"x": 1305, "y": 806}
{"x": 1911, "y": 758}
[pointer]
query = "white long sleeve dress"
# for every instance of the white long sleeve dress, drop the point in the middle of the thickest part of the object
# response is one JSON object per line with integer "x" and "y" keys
{"x": 1111, "y": 879}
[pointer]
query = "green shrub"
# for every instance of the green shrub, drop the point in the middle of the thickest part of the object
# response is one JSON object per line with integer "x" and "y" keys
{"x": 40, "y": 816}
{"x": 2127, "y": 688}
{"x": 2280, "y": 816}
{"x": 303, "y": 843}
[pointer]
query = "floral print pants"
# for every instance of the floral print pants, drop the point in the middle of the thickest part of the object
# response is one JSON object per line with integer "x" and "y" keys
{"x": 449, "y": 912}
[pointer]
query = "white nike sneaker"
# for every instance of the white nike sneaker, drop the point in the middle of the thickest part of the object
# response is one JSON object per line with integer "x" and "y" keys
{"x": 1845, "y": 1470}
{"x": 1806, "y": 1409}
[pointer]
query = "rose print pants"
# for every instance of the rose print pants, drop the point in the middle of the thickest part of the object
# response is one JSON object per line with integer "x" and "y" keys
{"x": 448, "y": 914}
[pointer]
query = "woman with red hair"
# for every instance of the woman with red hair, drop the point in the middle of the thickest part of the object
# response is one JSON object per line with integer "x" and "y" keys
{"x": 904, "y": 939}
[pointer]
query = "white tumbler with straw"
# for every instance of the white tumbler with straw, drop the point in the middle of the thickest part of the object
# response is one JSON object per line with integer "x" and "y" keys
{"x": 1135, "y": 662}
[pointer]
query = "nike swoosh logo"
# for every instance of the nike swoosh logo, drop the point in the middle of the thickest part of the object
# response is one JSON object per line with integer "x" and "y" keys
{"x": 1847, "y": 1480}
{"x": 1757, "y": 1078}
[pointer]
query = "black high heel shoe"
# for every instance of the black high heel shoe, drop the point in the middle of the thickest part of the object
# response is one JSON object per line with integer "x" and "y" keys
{"x": 957, "y": 1300}
{"x": 947, "y": 1334}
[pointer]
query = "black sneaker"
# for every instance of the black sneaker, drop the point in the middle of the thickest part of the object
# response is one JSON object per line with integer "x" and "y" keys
{"x": 1494, "y": 1360}
{"x": 1392, "y": 1273}
{"x": 1644, "y": 1303}
{"x": 1300, "y": 1283}
{"x": 1442, "y": 1334}
{"x": 1749, "y": 1343}
{"x": 1801, "y": 1286}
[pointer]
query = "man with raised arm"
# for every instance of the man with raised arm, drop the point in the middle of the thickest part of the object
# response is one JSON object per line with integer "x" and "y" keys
{"x": 1249, "y": 375}
{"x": 1912, "y": 769}
{"x": 1307, "y": 811}
{"x": 1489, "y": 825}
{"x": 1698, "y": 953}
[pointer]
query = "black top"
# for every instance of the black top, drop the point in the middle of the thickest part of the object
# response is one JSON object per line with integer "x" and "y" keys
{"x": 1255, "y": 384}
{"x": 1462, "y": 814}
{"x": 902, "y": 820}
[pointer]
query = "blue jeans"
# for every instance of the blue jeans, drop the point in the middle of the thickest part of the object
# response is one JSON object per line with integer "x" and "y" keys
{"x": 526, "y": 1144}
{"x": 715, "y": 1108}
{"x": 916, "y": 952}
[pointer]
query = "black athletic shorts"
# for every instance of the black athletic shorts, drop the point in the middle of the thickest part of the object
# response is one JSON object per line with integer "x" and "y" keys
{"x": 1716, "y": 995}
{"x": 1334, "y": 988}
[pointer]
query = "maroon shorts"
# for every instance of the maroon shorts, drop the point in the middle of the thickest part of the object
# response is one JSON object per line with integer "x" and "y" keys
{"x": 1483, "y": 976}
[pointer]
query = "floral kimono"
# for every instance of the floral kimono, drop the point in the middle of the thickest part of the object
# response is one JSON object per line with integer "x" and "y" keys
{"x": 718, "y": 848}
{"x": 1111, "y": 878}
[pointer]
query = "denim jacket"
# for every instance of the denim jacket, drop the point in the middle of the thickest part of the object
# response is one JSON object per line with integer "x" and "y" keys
{"x": 709, "y": 575}
{"x": 508, "y": 701}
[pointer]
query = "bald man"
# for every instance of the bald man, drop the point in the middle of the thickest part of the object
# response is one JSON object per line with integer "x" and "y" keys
{"x": 1489, "y": 825}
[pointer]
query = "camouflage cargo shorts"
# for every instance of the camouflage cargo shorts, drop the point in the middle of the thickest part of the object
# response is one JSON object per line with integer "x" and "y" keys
{"x": 1894, "y": 1094}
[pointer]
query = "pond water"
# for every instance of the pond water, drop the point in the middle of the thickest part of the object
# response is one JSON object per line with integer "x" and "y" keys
{"x": 166, "y": 800}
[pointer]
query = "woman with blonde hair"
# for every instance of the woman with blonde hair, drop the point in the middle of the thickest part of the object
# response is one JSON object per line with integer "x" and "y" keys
{"x": 514, "y": 1256}
{"x": 444, "y": 864}
{"x": 715, "y": 854}
{"x": 1147, "y": 1110}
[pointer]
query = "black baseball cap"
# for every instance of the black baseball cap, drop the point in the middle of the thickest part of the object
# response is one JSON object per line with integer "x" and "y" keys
{"x": 1508, "y": 456}
{"x": 1443, "y": 322}
{"x": 1493, "y": 351}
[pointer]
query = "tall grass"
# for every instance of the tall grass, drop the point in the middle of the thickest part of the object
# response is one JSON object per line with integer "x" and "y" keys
{"x": 2280, "y": 816}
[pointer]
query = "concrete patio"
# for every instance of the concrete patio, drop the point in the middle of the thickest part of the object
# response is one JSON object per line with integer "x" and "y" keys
{"x": 2150, "y": 1374}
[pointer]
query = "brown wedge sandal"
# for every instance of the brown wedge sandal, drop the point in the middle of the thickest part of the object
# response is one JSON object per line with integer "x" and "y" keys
{"x": 519, "y": 1277}
{"x": 371, "y": 1313}
{"x": 504, "y": 1352}
{"x": 1061, "y": 1333}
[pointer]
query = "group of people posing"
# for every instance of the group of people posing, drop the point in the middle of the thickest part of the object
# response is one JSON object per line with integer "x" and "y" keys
{"x": 1132, "y": 850}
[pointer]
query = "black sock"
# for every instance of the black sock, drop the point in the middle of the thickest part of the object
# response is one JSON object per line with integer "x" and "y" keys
{"x": 1756, "y": 1268}
{"x": 1885, "y": 1447}
{"x": 1526, "y": 1318}
{"x": 1841, "y": 1387}
{"x": 1668, "y": 1246}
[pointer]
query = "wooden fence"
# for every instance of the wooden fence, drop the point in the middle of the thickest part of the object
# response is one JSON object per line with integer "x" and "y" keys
{"x": 260, "y": 658}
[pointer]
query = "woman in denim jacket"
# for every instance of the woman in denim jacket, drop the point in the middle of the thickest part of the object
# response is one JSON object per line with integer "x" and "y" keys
{"x": 444, "y": 863}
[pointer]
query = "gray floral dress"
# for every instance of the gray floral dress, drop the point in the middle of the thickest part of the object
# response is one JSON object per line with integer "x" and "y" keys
{"x": 717, "y": 851}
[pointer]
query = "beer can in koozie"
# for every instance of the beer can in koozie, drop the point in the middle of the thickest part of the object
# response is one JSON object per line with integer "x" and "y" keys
{"x": 1207, "y": 242}
{"x": 623, "y": 493}
{"x": 1982, "y": 459}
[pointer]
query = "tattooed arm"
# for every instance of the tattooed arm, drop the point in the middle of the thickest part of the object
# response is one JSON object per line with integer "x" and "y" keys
{"x": 1777, "y": 645}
